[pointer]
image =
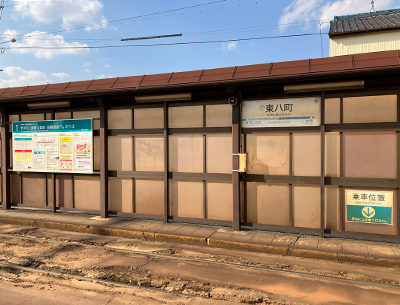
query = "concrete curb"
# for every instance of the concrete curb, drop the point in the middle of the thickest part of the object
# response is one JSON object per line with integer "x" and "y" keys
{"x": 200, "y": 241}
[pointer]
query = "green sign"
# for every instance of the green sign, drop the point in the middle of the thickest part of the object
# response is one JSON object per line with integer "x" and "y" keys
{"x": 369, "y": 206}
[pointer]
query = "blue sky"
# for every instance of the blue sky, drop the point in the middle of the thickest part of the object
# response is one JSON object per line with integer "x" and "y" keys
{"x": 56, "y": 40}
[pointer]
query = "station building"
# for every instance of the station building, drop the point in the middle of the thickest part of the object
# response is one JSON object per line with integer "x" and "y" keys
{"x": 309, "y": 145}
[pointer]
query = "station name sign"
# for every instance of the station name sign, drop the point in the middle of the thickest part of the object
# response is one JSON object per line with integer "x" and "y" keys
{"x": 293, "y": 112}
{"x": 63, "y": 146}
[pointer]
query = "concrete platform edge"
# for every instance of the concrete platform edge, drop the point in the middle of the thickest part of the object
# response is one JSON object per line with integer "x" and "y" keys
{"x": 161, "y": 237}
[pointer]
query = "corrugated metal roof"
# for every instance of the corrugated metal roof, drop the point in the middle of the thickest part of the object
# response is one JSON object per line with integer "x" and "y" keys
{"x": 261, "y": 72}
{"x": 350, "y": 24}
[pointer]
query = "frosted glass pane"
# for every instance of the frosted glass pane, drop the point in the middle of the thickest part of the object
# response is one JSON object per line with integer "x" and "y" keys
{"x": 186, "y": 199}
{"x": 332, "y": 154}
{"x": 148, "y": 118}
{"x": 306, "y": 154}
{"x": 368, "y": 109}
{"x": 268, "y": 154}
{"x": 62, "y": 115}
{"x": 32, "y": 117}
{"x": 120, "y": 153}
{"x": 218, "y": 115}
{"x": 332, "y": 111}
{"x": 33, "y": 189}
{"x": 120, "y": 119}
{"x": 87, "y": 193}
{"x": 63, "y": 191}
{"x": 149, "y": 197}
{"x": 332, "y": 212}
{"x": 149, "y": 154}
{"x": 187, "y": 116}
{"x": 186, "y": 153}
{"x": 219, "y": 201}
{"x": 219, "y": 154}
{"x": 120, "y": 195}
{"x": 88, "y": 115}
{"x": 370, "y": 154}
{"x": 268, "y": 204}
{"x": 307, "y": 207}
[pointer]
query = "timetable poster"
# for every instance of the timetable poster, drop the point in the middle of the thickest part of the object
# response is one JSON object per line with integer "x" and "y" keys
{"x": 53, "y": 146}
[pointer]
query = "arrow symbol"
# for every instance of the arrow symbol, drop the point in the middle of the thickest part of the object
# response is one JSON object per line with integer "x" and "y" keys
{"x": 368, "y": 212}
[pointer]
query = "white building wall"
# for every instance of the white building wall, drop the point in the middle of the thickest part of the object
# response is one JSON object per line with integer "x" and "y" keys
{"x": 364, "y": 43}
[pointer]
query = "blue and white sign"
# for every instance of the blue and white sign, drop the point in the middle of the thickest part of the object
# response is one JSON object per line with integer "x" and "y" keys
{"x": 305, "y": 111}
{"x": 53, "y": 146}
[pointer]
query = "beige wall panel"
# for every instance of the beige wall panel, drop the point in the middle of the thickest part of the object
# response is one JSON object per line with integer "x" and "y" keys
{"x": 62, "y": 115}
{"x": 364, "y": 43}
{"x": 32, "y": 117}
{"x": 370, "y": 154}
{"x": 372, "y": 227}
{"x": 332, "y": 154}
{"x": 268, "y": 154}
{"x": 306, "y": 154}
{"x": 369, "y": 109}
{"x": 33, "y": 189}
{"x": 120, "y": 195}
{"x": 148, "y": 118}
{"x": 63, "y": 191}
{"x": 219, "y": 201}
{"x": 268, "y": 204}
{"x": 96, "y": 153}
{"x": 219, "y": 153}
{"x": 120, "y": 119}
{"x": 307, "y": 207}
{"x": 332, "y": 111}
{"x": 88, "y": 115}
{"x": 87, "y": 193}
{"x": 149, "y": 154}
{"x": 186, "y": 153}
{"x": 332, "y": 212}
{"x": 218, "y": 115}
{"x": 149, "y": 197}
{"x": 14, "y": 185}
{"x": 120, "y": 153}
{"x": 186, "y": 116}
{"x": 1, "y": 187}
{"x": 186, "y": 199}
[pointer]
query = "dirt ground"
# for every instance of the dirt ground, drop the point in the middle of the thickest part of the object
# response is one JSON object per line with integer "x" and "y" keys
{"x": 197, "y": 272}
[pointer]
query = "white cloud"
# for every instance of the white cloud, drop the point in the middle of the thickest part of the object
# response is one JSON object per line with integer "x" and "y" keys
{"x": 16, "y": 77}
{"x": 314, "y": 10}
{"x": 106, "y": 66}
{"x": 86, "y": 70}
{"x": 227, "y": 47}
{"x": 57, "y": 46}
{"x": 87, "y": 64}
{"x": 71, "y": 12}
{"x": 60, "y": 75}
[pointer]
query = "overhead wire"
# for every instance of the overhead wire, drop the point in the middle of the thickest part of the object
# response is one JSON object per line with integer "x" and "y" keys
{"x": 51, "y": 47}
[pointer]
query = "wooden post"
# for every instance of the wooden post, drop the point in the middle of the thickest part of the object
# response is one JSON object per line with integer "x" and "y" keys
{"x": 235, "y": 165}
{"x": 322, "y": 165}
{"x": 166, "y": 184}
{"x": 53, "y": 179}
{"x": 5, "y": 160}
{"x": 103, "y": 158}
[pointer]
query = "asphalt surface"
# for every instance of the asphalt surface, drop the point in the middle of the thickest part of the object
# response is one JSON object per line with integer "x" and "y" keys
{"x": 335, "y": 249}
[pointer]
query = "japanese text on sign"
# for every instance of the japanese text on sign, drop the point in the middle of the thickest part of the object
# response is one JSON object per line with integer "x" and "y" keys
{"x": 282, "y": 112}
{"x": 369, "y": 206}
{"x": 53, "y": 146}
